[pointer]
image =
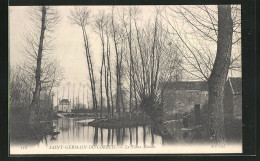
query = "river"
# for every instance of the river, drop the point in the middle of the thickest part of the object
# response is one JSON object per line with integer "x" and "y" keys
{"x": 77, "y": 132}
{"x": 75, "y": 136}
{"x": 73, "y": 131}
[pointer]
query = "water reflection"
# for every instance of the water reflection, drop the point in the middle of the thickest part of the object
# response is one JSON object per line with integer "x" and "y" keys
{"x": 72, "y": 131}
{"x": 144, "y": 135}
{"x": 136, "y": 135}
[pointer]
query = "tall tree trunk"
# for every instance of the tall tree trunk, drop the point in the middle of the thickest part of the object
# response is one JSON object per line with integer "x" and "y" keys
{"x": 83, "y": 96}
{"x": 142, "y": 60}
{"x": 36, "y": 94}
{"x": 120, "y": 85}
{"x": 117, "y": 69}
{"x": 131, "y": 65}
{"x": 57, "y": 99}
{"x": 90, "y": 70}
{"x": 153, "y": 59}
{"x": 219, "y": 73}
{"x": 73, "y": 96}
{"x": 78, "y": 97}
{"x": 130, "y": 96}
{"x": 110, "y": 80}
{"x": 50, "y": 91}
{"x": 107, "y": 76}
{"x": 68, "y": 92}
{"x": 101, "y": 72}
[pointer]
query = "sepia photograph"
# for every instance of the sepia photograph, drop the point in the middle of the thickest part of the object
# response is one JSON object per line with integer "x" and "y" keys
{"x": 130, "y": 79}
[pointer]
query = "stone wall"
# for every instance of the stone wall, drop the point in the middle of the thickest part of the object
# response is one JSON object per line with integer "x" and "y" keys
{"x": 180, "y": 101}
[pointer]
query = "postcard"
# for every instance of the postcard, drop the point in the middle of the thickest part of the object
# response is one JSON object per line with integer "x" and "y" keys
{"x": 155, "y": 79}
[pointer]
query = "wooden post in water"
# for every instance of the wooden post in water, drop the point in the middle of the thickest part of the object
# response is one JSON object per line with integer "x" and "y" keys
{"x": 108, "y": 136}
{"x": 197, "y": 114}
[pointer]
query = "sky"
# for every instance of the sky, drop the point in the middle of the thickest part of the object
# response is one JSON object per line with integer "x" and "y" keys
{"x": 69, "y": 48}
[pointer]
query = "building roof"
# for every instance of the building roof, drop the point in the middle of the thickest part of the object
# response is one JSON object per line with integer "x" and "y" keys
{"x": 64, "y": 101}
{"x": 236, "y": 85}
{"x": 191, "y": 85}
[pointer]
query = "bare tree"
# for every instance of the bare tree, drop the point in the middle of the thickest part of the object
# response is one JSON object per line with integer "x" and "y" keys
{"x": 68, "y": 86}
{"x": 196, "y": 30}
{"x": 108, "y": 75}
{"x": 128, "y": 30}
{"x": 83, "y": 95}
{"x": 216, "y": 32}
{"x": 219, "y": 73}
{"x": 73, "y": 86}
{"x": 80, "y": 16}
{"x": 78, "y": 94}
{"x": 100, "y": 25}
{"x": 51, "y": 76}
{"x": 117, "y": 36}
{"x": 146, "y": 55}
{"x": 23, "y": 85}
{"x": 21, "y": 88}
{"x": 45, "y": 18}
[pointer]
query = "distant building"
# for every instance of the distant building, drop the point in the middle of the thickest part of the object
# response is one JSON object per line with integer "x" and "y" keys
{"x": 64, "y": 106}
{"x": 181, "y": 97}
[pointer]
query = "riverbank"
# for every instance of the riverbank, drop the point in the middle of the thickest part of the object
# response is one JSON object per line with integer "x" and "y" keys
{"x": 21, "y": 131}
{"x": 78, "y": 115}
{"x": 119, "y": 123}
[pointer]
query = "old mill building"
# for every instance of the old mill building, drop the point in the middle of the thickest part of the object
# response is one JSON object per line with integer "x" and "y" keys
{"x": 181, "y": 97}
